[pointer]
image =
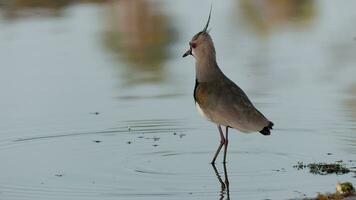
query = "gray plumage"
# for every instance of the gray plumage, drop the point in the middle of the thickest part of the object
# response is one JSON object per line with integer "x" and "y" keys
{"x": 218, "y": 98}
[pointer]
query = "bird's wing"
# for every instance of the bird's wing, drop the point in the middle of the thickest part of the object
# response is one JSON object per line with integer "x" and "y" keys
{"x": 227, "y": 104}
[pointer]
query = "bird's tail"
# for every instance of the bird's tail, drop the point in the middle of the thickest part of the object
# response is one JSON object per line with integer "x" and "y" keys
{"x": 267, "y": 130}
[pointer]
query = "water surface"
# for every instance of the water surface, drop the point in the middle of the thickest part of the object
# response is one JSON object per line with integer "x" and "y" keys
{"x": 97, "y": 102}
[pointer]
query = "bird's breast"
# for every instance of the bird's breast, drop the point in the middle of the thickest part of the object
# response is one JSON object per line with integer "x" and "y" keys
{"x": 200, "y": 97}
{"x": 200, "y": 94}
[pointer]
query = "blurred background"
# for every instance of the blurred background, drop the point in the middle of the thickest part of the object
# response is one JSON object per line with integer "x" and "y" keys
{"x": 77, "y": 71}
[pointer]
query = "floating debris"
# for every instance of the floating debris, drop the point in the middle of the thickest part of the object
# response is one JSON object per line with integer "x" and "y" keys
{"x": 153, "y": 138}
{"x": 59, "y": 175}
{"x": 155, "y": 145}
{"x": 300, "y": 165}
{"x": 181, "y": 135}
{"x": 329, "y": 154}
{"x": 279, "y": 170}
{"x": 94, "y": 113}
{"x": 324, "y": 168}
{"x": 128, "y": 142}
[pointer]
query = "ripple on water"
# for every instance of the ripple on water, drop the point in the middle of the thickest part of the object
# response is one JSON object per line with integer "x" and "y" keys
{"x": 150, "y": 126}
{"x": 164, "y": 162}
{"x": 115, "y": 169}
{"x": 90, "y": 169}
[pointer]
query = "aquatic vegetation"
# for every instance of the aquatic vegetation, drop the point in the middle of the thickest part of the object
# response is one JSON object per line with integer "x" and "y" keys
{"x": 345, "y": 188}
{"x": 324, "y": 168}
{"x": 343, "y": 191}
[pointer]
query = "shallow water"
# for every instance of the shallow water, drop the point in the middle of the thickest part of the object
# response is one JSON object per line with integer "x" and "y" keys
{"x": 97, "y": 102}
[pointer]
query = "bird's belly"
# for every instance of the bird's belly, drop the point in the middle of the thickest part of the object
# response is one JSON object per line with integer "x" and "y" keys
{"x": 200, "y": 111}
{"x": 210, "y": 116}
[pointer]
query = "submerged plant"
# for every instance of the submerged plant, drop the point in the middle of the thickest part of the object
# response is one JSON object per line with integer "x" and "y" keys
{"x": 324, "y": 168}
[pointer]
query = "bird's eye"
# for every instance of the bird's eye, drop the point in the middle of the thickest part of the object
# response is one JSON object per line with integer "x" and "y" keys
{"x": 193, "y": 45}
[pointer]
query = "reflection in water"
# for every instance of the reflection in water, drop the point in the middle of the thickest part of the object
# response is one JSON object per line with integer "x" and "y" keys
{"x": 340, "y": 68}
{"x": 14, "y": 9}
{"x": 139, "y": 33}
{"x": 350, "y": 104}
{"x": 225, "y": 187}
{"x": 264, "y": 16}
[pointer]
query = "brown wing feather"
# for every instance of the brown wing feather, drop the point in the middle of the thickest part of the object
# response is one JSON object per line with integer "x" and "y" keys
{"x": 226, "y": 104}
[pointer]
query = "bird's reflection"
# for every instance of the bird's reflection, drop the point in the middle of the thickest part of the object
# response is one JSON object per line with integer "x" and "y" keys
{"x": 224, "y": 189}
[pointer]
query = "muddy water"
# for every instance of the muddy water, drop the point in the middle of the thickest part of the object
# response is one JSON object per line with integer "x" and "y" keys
{"x": 96, "y": 101}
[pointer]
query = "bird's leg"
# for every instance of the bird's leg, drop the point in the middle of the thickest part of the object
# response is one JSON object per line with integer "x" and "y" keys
{"x": 222, "y": 142}
{"x": 226, "y": 143}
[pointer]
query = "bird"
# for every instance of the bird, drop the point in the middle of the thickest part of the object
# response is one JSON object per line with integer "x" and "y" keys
{"x": 219, "y": 99}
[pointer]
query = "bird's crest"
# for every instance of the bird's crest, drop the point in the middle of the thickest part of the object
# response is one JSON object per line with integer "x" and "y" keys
{"x": 207, "y": 23}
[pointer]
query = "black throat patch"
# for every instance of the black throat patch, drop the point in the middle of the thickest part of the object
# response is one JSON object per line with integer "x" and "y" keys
{"x": 195, "y": 89}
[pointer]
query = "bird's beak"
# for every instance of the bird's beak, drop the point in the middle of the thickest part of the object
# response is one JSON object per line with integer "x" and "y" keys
{"x": 189, "y": 52}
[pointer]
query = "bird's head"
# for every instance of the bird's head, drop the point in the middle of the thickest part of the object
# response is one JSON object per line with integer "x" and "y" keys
{"x": 201, "y": 44}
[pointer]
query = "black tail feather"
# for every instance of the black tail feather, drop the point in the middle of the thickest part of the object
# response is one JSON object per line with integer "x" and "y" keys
{"x": 267, "y": 130}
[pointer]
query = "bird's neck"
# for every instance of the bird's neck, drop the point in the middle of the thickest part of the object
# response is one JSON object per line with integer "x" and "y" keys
{"x": 207, "y": 69}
